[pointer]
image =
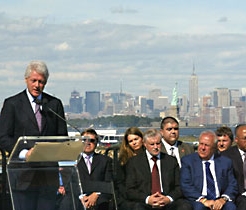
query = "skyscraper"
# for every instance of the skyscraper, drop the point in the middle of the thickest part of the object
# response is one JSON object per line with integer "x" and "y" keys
{"x": 92, "y": 102}
{"x": 154, "y": 95}
{"x": 193, "y": 92}
{"x": 221, "y": 97}
{"x": 75, "y": 102}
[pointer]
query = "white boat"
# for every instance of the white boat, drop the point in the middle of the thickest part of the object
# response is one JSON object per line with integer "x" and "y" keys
{"x": 111, "y": 139}
{"x": 107, "y": 136}
{"x": 102, "y": 132}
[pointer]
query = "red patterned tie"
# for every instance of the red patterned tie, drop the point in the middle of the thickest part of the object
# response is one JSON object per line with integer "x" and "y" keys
{"x": 156, "y": 186}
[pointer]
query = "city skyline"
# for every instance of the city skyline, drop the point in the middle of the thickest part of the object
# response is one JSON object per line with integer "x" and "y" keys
{"x": 222, "y": 106}
{"x": 134, "y": 46}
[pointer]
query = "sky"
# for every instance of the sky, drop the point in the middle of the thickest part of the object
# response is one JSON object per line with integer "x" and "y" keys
{"x": 134, "y": 45}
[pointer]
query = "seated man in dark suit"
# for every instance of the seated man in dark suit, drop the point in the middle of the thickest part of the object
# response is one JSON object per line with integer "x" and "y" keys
{"x": 170, "y": 135}
{"x": 95, "y": 170}
{"x": 237, "y": 154}
{"x": 207, "y": 179}
{"x": 152, "y": 178}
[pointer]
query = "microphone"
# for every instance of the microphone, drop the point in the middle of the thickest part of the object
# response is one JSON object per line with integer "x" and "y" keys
{"x": 46, "y": 108}
{"x": 38, "y": 101}
{"x": 56, "y": 114}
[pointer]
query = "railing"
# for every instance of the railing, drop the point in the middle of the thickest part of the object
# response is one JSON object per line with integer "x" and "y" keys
{"x": 5, "y": 201}
{"x": 3, "y": 184}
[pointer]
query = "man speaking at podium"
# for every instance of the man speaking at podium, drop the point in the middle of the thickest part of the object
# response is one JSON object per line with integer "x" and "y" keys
{"x": 27, "y": 114}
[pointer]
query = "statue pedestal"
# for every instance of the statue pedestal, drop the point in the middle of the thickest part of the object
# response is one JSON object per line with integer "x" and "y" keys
{"x": 173, "y": 111}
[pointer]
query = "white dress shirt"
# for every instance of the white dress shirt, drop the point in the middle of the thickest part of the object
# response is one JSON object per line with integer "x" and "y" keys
{"x": 175, "y": 150}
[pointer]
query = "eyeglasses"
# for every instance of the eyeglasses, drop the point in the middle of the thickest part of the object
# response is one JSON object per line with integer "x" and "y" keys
{"x": 169, "y": 129}
{"x": 87, "y": 139}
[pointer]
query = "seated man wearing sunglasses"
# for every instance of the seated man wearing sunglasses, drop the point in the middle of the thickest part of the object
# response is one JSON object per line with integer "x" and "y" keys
{"x": 94, "y": 170}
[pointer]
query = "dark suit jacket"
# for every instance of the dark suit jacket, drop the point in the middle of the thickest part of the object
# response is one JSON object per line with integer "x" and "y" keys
{"x": 191, "y": 176}
{"x": 101, "y": 172}
{"x": 184, "y": 148}
{"x": 234, "y": 154}
{"x": 138, "y": 177}
{"x": 17, "y": 119}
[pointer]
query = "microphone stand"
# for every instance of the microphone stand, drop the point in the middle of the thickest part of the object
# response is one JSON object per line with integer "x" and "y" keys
{"x": 51, "y": 110}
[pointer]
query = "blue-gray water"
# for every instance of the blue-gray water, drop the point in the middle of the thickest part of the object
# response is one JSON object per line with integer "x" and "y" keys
{"x": 184, "y": 131}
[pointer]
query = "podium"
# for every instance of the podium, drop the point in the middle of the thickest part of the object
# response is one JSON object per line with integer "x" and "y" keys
{"x": 34, "y": 182}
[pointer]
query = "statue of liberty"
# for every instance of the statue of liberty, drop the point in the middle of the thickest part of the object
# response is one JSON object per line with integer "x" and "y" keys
{"x": 175, "y": 96}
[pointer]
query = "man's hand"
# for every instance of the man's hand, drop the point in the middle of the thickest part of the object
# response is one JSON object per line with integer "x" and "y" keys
{"x": 90, "y": 200}
{"x": 209, "y": 203}
{"x": 214, "y": 204}
{"x": 158, "y": 200}
{"x": 29, "y": 153}
{"x": 219, "y": 203}
{"x": 61, "y": 190}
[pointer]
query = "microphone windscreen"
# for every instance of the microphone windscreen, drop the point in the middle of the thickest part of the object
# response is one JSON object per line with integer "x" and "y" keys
{"x": 38, "y": 101}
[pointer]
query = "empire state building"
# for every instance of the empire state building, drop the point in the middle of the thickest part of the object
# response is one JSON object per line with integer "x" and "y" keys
{"x": 193, "y": 93}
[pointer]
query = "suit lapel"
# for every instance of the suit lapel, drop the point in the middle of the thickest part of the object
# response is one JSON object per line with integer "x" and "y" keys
{"x": 163, "y": 148}
{"x": 95, "y": 162}
{"x": 164, "y": 165}
{"x": 44, "y": 115}
{"x": 238, "y": 158}
{"x": 217, "y": 164}
{"x": 28, "y": 111}
{"x": 197, "y": 164}
{"x": 144, "y": 166}
{"x": 82, "y": 165}
{"x": 181, "y": 149}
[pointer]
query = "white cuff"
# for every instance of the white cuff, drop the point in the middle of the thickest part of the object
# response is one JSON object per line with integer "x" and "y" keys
{"x": 22, "y": 154}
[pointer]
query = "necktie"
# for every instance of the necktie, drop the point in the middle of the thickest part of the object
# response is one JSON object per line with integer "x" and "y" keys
{"x": 244, "y": 170}
{"x": 172, "y": 151}
{"x": 210, "y": 183}
{"x": 156, "y": 186}
{"x": 38, "y": 116}
{"x": 88, "y": 163}
{"x": 60, "y": 179}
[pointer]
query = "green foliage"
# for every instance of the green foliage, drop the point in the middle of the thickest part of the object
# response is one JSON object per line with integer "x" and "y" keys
{"x": 114, "y": 121}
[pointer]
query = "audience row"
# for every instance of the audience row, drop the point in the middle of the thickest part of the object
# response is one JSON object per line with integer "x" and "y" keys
{"x": 156, "y": 170}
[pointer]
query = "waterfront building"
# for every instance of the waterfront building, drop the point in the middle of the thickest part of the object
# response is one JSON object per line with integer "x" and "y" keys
{"x": 221, "y": 97}
{"x": 229, "y": 115}
{"x": 235, "y": 97}
{"x": 183, "y": 103}
{"x": 143, "y": 104}
{"x": 162, "y": 103}
{"x": 154, "y": 95}
{"x": 92, "y": 102}
{"x": 150, "y": 104}
{"x": 193, "y": 93}
{"x": 75, "y": 102}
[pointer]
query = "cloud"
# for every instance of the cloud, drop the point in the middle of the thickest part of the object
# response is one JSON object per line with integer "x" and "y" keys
{"x": 223, "y": 19}
{"x": 62, "y": 47}
{"x": 122, "y": 10}
{"x": 97, "y": 55}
